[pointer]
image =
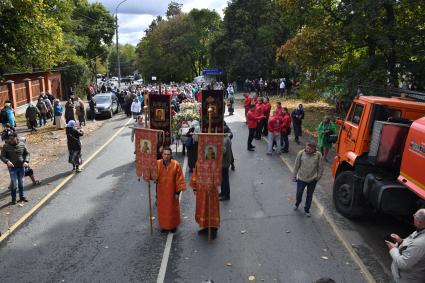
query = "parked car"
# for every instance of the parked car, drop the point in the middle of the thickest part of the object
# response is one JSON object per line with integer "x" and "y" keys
{"x": 106, "y": 104}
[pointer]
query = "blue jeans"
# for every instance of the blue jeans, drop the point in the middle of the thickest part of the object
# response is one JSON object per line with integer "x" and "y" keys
{"x": 310, "y": 190}
{"x": 17, "y": 181}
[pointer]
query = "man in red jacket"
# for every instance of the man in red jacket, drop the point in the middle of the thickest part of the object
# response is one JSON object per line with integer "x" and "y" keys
{"x": 252, "y": 119}
{"x": 267, "y": 107}
{"x": 259, "y": 111}
{"x": 246, "y": 103}
{"x": 286, "y": 130}
{"x": 274, "y": 127}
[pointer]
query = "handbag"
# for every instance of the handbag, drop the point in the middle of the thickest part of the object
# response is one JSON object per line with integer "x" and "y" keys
{"x": 331, "y": 138}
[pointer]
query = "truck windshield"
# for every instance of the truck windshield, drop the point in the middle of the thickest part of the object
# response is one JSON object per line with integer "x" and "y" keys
{"x": 356, "y": 114}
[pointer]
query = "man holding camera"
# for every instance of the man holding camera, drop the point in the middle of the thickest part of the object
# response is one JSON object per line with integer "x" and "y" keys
{"x": 409, "y": 254}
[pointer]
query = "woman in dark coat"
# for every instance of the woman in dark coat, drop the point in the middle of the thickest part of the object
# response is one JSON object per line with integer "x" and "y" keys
{"x": 297, "y": 117}
{"x": 74, "y": 145}
{"x": 69, "y": 111}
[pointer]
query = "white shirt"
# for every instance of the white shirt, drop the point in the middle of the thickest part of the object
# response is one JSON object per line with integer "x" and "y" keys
{"x": 136, "y": 106}
{"x": 282, "y": 84}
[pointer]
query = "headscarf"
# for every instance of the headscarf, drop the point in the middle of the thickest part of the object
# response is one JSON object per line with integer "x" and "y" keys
{"x": 70, "y": 124}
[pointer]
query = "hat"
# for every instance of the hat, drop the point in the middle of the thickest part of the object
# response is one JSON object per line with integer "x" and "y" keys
{"x": 70, "y": 124}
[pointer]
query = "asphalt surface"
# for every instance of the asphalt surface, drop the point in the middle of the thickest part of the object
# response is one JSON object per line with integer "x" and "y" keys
{"x": 96, "y": 228}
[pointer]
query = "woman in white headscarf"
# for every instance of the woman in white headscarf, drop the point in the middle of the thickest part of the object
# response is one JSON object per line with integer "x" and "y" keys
{"x": 74, "y": 145}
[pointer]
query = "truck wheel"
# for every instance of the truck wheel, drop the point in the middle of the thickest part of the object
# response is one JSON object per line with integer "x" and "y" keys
{"x": 344, "y": 193}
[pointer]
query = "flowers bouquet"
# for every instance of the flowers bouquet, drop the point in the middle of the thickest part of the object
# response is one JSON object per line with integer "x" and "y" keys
{"x": 189, "y": 111}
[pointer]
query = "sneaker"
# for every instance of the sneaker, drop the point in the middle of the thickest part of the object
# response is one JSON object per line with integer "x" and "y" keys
{"x": 307, "y": 214}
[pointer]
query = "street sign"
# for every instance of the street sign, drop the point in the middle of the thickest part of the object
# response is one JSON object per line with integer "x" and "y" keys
{"x": 212, "y": 72}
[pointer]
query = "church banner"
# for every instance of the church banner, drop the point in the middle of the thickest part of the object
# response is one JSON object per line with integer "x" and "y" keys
{"x": 215, "y": 100}
{"x": 160, "y": 116}
{"x": 210, "y": 156}
{"x": 146, "y": 144}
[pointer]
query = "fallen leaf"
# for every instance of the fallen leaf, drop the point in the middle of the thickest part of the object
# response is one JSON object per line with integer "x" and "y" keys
{"x": 185, "y": 217}
{"x": 7, "y": 213}
{"x": 287, "y": 232}
{"x": 106, "y": 247}
{"x": 325, "y": 257}
{"x": 251, "y": 278}
{"x": 186, "y": 258}
{"x": 243, "y": 231}
{"x": 21, "y": 205}
{"x": 228, "y": 264}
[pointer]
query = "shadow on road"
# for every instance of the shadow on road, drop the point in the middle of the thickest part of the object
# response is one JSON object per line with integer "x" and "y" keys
{"x": 117, "y": 171}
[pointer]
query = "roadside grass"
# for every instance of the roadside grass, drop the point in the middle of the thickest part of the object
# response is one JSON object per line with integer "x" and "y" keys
{"x": 314, "y": 112}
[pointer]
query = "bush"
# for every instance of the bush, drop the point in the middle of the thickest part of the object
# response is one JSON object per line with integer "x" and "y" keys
{"x": 309, "y": 94}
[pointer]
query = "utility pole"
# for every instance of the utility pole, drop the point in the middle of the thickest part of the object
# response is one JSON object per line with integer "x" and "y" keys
{"x": 118, "y": 48}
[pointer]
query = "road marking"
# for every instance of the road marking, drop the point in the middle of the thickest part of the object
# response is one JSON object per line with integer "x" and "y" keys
{"x": 363, "y": 269}
{"x": 27, "y": 215}
{"x": 166, "y": 255}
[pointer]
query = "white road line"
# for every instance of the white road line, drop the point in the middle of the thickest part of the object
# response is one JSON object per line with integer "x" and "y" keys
{"x": 166, "y": 255}
{"x": 338, "y": 233}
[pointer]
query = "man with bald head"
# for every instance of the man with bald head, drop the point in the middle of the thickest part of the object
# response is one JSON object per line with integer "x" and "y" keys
{"x": 409, "y": 254}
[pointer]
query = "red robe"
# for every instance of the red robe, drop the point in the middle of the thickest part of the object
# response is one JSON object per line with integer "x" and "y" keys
{"x": 202, "y": 205}
{"x": 170, "y": 182}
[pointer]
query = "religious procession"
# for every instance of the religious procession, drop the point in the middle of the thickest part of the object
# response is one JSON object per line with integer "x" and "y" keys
{"x": 199, "y": 129}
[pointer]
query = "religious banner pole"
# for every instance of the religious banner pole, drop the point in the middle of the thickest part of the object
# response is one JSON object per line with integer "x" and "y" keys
{"x": 210, "y": 112}
{"x": 145, "y": 108}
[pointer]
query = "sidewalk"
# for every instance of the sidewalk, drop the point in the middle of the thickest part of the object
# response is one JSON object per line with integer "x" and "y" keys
{"x": 49, "y": 160}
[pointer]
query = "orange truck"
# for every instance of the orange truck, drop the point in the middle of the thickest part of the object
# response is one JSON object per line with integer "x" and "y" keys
{"x": 380, "y": 161}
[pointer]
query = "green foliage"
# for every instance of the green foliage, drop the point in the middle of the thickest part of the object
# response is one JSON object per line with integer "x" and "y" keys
{"x": 176, "y": 49}
{"x": 174, "y": 9}
{"x": 76, "y": 76}
{"x": 357, "y": 42}
{"x": 308, "y": 93}
{"x": 31, "y": 35}
{"x": 127, "y": 60}
{"x": 252, "y": 31}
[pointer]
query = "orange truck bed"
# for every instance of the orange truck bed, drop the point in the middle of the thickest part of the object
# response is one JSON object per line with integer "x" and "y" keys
{"x": 412, "y": 171}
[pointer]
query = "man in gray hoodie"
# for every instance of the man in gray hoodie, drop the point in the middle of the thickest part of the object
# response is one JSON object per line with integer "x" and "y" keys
{"x": 408, "y": 254}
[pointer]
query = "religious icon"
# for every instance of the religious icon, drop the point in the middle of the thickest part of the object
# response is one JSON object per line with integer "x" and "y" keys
{"x": 145, "y": 146}
{"x": 210, "y": 152}
{"x": 160, "y": 114}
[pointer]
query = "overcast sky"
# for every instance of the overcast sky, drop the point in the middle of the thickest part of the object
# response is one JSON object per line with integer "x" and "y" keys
{"x": 134, "y": 16}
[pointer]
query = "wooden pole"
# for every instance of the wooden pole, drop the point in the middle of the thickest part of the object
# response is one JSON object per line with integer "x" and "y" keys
{"x": 210, "y": 112}
{"x": 150, "y": 206}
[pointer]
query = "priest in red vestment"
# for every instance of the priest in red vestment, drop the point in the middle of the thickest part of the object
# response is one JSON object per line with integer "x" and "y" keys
{"x": 170, "y": 184}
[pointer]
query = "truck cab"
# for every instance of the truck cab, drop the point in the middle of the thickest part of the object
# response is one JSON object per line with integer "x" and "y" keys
{"x": 371, "y": 149}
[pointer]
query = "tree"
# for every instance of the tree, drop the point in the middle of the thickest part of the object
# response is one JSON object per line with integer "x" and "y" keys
{"x": 31, "y": 36}
{"x": 127, "y": 59}
{"x": 174, "y": 9}
{"x": 176, "y": 49}
{"x": 252, "y": 31}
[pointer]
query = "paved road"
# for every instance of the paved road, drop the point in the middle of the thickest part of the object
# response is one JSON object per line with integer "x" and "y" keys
{"x": 96, "y": 229}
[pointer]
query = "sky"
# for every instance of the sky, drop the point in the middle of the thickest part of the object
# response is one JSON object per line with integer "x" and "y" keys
{"x": 134, "y": 16}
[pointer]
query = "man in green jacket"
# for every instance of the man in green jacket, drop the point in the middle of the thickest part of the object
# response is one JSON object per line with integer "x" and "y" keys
{"x": 15, "y": 155}
{"x": 308, "y": 170}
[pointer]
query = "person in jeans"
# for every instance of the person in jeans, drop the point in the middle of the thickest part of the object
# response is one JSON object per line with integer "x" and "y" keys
{"x": 15, "y": 155}
{"x": 308, "y": 170}
{"x": 274, "y": 127}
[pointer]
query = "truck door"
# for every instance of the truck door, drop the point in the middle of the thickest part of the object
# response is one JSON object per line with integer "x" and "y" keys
{"x": 350, "y": 128}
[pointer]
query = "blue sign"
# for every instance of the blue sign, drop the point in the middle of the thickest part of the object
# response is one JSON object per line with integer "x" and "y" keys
{"x": 212, "y": 72}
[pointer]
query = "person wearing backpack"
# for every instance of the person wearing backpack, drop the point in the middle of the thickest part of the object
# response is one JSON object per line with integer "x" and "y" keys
{"x": 31, "y": 115}
{"x": 8, "y": 115}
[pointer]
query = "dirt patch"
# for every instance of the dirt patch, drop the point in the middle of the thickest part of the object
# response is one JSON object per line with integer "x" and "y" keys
{"x": 46, "y": 145}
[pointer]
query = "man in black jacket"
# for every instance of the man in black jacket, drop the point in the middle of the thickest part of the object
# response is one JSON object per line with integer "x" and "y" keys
{"x": 15, "y": 155}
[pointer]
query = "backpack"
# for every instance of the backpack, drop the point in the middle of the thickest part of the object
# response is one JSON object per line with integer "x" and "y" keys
{"x": 3, "y": 116}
